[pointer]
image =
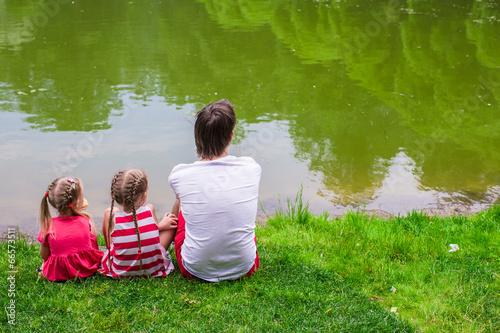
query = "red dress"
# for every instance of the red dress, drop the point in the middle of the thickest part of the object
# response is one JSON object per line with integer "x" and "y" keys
{"x": 73, "y": 249}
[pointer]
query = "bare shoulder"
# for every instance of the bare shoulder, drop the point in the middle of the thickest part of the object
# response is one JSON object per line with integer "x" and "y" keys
{"x": 109, "y": 209}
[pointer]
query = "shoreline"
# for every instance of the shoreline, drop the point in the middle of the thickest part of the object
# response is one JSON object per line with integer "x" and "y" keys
{"x": 441, "y": 210}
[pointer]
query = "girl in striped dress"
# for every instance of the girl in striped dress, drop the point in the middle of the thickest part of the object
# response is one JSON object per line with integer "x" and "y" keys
{"x": 136, "y": 243}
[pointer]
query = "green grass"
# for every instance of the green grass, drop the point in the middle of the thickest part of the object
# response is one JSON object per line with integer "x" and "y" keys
{"x": 317, "y": 275}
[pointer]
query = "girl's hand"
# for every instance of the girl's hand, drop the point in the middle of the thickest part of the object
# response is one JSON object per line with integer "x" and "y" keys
{"x": 168, "y": 222}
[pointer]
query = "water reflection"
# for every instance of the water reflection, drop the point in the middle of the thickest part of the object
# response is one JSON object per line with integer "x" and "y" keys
{"x": 365, "y": 93}
{"x": 434, "y": 64}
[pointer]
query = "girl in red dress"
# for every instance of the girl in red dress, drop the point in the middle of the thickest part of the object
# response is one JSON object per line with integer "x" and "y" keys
{"x": 68, "y": 242}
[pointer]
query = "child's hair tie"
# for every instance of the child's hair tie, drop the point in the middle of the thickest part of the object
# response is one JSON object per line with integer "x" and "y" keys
{"x": 70, "y": 206}
{"x": 72, "y": 181}
{"x": 139, "y": 251}
{"x": 46, "y": 194}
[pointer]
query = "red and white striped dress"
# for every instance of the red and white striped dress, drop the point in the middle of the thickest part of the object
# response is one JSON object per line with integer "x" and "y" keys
{"x": 124, "y": 250}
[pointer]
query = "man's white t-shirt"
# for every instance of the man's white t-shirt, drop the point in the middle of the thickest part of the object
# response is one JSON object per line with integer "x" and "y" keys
{"x": 219, "y": 204}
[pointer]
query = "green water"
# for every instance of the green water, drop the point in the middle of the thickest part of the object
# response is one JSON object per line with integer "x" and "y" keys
{"x": 391, "y": 105}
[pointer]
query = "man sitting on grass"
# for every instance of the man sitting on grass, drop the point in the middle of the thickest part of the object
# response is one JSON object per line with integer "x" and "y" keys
{"x": 218, "y": 197}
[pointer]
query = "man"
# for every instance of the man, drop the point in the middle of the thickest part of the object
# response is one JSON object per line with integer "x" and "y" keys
{"x": 218, "y": 197}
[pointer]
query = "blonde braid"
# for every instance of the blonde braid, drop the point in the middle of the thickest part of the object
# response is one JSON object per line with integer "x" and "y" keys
{"x": 110, "y": 222}
{"x": 132, "y": 204}
{"x": 69, "y": 196}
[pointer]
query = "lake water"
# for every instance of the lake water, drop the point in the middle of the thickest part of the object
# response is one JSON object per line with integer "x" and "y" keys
{"x": 390, "y": 105}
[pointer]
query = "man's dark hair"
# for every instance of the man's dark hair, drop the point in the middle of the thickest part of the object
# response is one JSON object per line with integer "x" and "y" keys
{"x": 213, "y": 127}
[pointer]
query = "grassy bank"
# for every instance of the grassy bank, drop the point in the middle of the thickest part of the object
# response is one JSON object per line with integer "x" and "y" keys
{"x": 317, "y": 275}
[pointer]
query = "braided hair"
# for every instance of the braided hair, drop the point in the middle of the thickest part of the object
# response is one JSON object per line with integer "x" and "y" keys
{"x": 65, "y": 194}
{"x": 126, "y": 188}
